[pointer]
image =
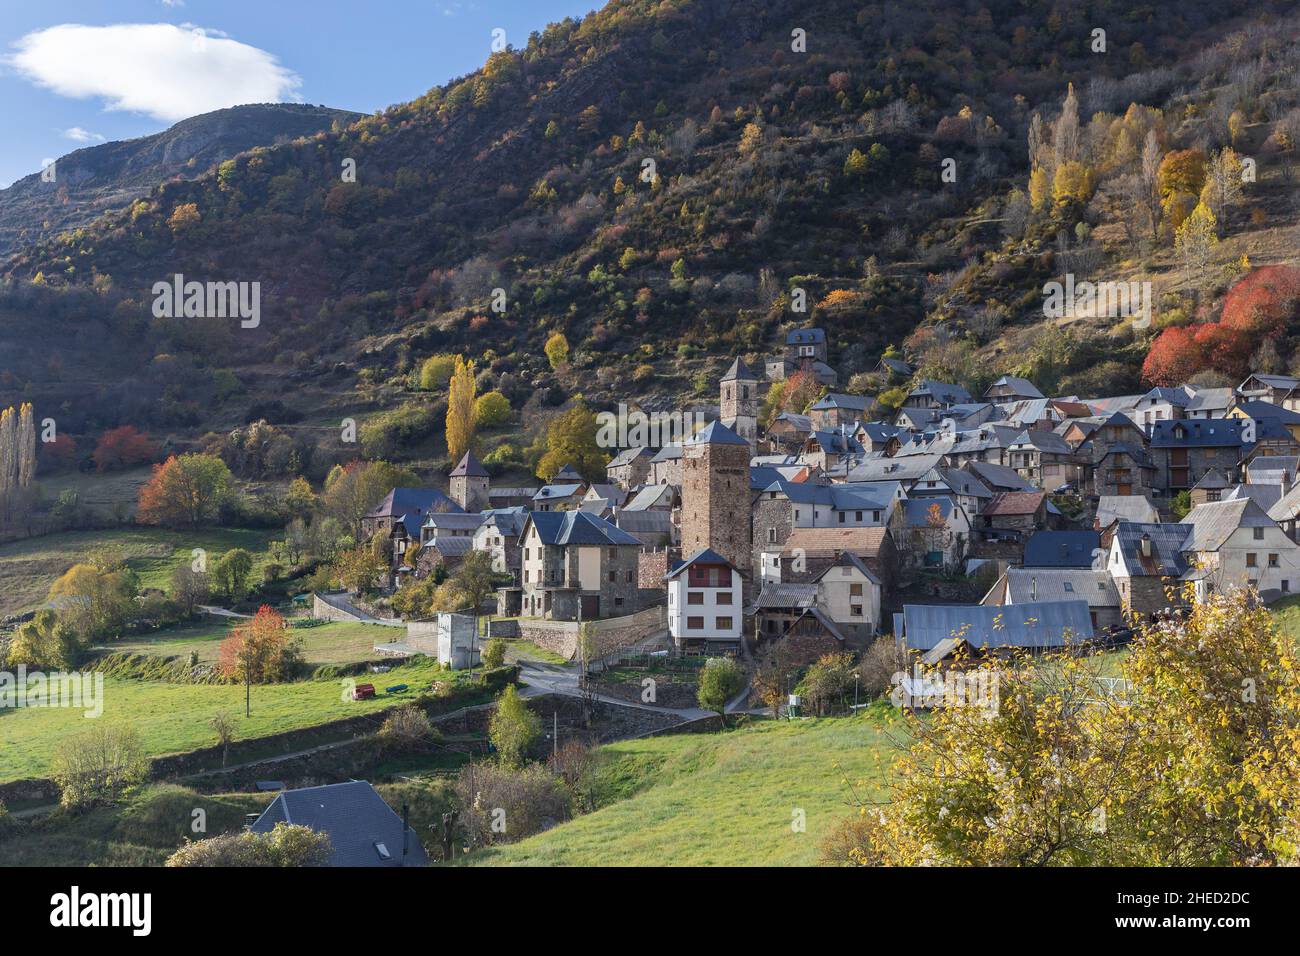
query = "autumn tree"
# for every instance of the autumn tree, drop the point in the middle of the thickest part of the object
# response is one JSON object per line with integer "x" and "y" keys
{"x": 557, "y": 350}
{"x": 99, "y": 765}
{"x": 123, "y": 447}
{"x": 185, "y": 491}
{"x": 95, "y": 597}
{"x": 261, "y": 650}
{"x": 1195, "y": 241}
{"x": 571, "y": 440}
{"x": 460, "y": 409}
{"x": 1193, "y": 761}
{"x": 287, "y": 845}
{"x": 355, "y": 488}
{"x": 491, "y": 409}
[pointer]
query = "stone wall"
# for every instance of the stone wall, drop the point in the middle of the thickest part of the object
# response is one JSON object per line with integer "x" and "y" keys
{"x": 651, "y": 567}
{"x": 611, "y": 634}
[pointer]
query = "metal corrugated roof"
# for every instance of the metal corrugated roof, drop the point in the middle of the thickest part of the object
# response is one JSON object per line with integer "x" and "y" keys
{"x": 1035, "y": 624}
{"x": 1027, "y": 585}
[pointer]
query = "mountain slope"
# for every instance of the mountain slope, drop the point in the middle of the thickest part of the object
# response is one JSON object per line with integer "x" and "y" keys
{"x": 773, "y": 171}
{"x": 91, "y": 181}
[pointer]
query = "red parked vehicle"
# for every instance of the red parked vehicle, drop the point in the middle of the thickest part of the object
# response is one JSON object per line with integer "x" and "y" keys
{"x": 363, "y": 692}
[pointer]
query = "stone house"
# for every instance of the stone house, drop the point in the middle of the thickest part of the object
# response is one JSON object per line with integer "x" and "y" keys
{"x": 1031, "y": 585}
{"x": 788, "y": 432}
{"x": 1234, "y": 543}
{"x": 1275, "y": 389}
{"x": 499, "y": 536}
{"x": 929, "y": 394}
{"x": 666, "y": 466}
{"x": 409, "y": 506}
{"x": 835, "y": 409}
{"x": 1123, "y": 469}
{"x": 630, "y": 467}
{"x": 1184, "y": 450}
{"x": 1147, "y": 563}
{"x": 576, "y": 565}
{"x": 1043, "y": 459}
{"x": 1009, "y": 388}
{"x": 810, "y": 551}
{"x": 559, "y": 497}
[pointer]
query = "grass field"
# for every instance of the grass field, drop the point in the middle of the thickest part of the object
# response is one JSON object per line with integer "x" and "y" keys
{"x": 28, "y": 568}
{"x": 339, "y": 642}
{"x": 173, "y": 718}
{"x": 103, "y": 493}
{"x": 718, "y": 799}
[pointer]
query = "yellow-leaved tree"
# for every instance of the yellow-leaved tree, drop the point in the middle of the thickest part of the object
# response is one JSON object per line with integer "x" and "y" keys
{"x": 460, "y": 409}
{"x": 1193, "y": 761}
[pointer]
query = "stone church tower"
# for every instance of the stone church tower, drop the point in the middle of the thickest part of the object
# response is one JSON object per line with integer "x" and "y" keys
{"x": 469, "y": 484}
{"x": 739, "y": 398}
{"x": 715, "y": 496}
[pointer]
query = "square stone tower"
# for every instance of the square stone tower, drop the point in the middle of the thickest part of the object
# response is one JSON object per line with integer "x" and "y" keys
{"x": 469, "y": 484}
{"x": 715, "y": 495}
{"x": 739, "y": 399}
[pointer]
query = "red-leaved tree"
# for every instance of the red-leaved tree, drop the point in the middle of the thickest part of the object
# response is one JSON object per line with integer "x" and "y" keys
{"x": 123, "y": 447}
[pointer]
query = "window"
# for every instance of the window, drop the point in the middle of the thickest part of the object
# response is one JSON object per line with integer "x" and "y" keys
{"x": 1259, "y": 533}
{"x": 628, "y": 578}
{"x": 858, "y": 516}
{"x": 722, "y": 623}
{"x": 855, "y": 590}
{"x": 613, "y": 577}
{"x": 618, "y": 602}
{"x": 841, "y": 514}
{"x": 1286, "y": 585}
{"x": 875, "y": 516}
{"x": 695, "y": 623}
{"x": 771, "y": 536}
{"x": 724, "y": 597}
{"x": 694, "y": 597}
{"x": 1250, "y": 559}
{"x": 1272, "y": 561}
{"x": 855, "y": 610}
{"x": 613, "y": 553}
{"x": 1069, "y": 586}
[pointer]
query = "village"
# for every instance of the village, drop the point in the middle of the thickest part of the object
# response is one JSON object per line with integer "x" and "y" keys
{"x": 1066, "y": 520}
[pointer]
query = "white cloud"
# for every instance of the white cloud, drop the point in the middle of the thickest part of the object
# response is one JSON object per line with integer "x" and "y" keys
{"x": 166, "y": 71}
{"x": 79, "y": 135}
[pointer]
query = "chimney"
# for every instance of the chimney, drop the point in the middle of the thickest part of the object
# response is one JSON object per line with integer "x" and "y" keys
{"x": 1146, "y": 545}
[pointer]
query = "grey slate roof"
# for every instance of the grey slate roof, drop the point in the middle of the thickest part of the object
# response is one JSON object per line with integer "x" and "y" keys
{"x": 1021, "y": 386}
{"x": 805, "y": 337}
{"x": 450, "y": 521}
{"x": 715, "y": 433}
{"x": 1034, "y": 624}
{"x": 668, "y": 453}
{"x": 1061, "y": 549}
{"x": 739, "y": 370}
{"x": 578, "y": 527}
{"x": 1025, "y": 585}
{"x": 469, "y": 467}
{"x": 943, "y": 392}
{"x": 857, "y": 403}
{"x": 1167, "y": 558}
{"x": 848, "y": 559}
{"x": 1198, "y": 433}
{"x": 548, "y": 492}
{"x": 356, "y": 819}
{"x": 411, "y": 505}
{"x": 1111, "y": 508}
{"x": 651, "y": 496}
{"x": 629, "y": 455}
{"x": 1266, "y": 496}
{"x": 1212, "y": 523}
{"x": 703, "y": 556}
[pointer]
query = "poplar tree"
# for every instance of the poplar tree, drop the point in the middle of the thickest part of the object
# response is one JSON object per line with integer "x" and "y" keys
{"x": 460, "y": 409}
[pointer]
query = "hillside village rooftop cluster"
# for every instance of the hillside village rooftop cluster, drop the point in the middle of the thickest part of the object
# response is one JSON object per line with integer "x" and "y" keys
{"x": 835, "y": 527}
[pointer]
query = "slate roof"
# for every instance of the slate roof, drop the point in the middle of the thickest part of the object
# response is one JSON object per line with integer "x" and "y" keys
{"x": 567, "y": 473}
{"x": 805, "y": 337}
{"x": 916, "y": 511}
{"x": 508, "y": 521}
{"x": 449, "y": 546}
{"x": 469, "y": 467}
{"x": 1212, "y": 523}
{"x": 836, "y": 443}
{"x": 715, "y": 433}
{"x": 1266, "y": 496}
{"x": 1211, "y": 400}
{"x": 1111, "y": 508}
{"x": 1198, "y": 433}
{"x": 450, "y": 521}
{"x": 856, "y": 403}
{"x": 1167, "y": 559}
{"x": 645, "y": 525}
{"x": 1212, "y": 480}
{"x": 1272, "y": 463}
{"x": 629, "y": 455}
{"x": 1273, "y": 381}
{"x": 1288, "y": 508}
{"x": 943, "y": 392}
{"x": 1062, "y": 584}
{"x": 704, "y": 556}
{"x": 1135, "y": 452}
{"x": 1015, "y": 503}
{"x": 964, "y": 483}
{"x": 566, "y": 528}
{"x": 411, "y": 505}
{"x": 1061, "y": 549}
{"x": 354, "y": 816}
{"x": 898, "y": 367}
{"x": 1034, "y": 624}
{"x": 1043, "y": 441}
{"x": 800, "y": 423}
{"x": 998, "y": 477}
{"x": 1021, "y": 386}
{"x": 668, "y": 453}
{"x": 651, "y": 496}
{"x": 547, "y": 492}
{"x": 739, "y": 370}
{"x": 907, "y": 468}
{"x": 1260, "y": 410}
{"x": 850, "y": 560}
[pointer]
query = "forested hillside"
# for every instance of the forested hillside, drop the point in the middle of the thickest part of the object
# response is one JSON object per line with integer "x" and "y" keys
{"x": 655, "y": 181}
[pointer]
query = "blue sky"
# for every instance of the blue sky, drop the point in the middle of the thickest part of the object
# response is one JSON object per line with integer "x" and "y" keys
{"x": 74, "y": 73}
